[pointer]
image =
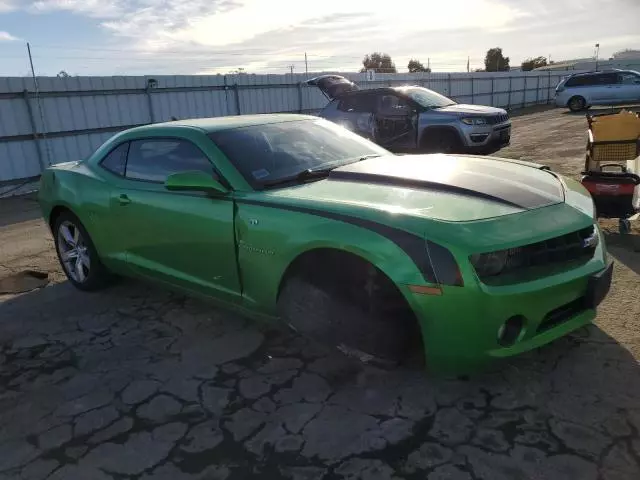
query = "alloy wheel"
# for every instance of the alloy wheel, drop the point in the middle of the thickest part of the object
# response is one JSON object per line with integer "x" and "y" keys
{"x": 73, "y": 251}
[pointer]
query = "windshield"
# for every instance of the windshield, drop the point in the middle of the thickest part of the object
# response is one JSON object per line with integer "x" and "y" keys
{"x": 427, "y": 98}
{"x": 264, "y": 154}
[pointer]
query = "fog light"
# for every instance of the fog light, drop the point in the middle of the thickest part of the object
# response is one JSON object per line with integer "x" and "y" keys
{"x": 479, "y": 137}
{"x": 509, "y": 331}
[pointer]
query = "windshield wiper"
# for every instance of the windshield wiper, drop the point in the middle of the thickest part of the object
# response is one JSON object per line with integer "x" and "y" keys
{"x": 314, "y": 173}
{"x": 299, "y": 177}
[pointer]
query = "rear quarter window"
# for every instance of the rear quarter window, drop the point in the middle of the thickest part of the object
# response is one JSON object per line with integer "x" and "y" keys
{"x": 115, "y": 161}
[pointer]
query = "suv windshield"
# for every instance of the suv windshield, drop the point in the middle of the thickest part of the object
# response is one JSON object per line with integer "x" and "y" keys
{"x": 427, "y": 98}
{"x": 267, "y": 154}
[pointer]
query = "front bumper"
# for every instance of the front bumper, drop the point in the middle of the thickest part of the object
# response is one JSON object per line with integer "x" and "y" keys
{"x": 461, "y": 327}
{"x": 489, "y": 138}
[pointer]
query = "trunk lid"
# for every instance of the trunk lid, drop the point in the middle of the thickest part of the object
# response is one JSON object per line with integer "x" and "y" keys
{"x": 333, "y": 86}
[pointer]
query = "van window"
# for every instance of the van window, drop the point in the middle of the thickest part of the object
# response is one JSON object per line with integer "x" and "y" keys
{"x": 594, "y": 79}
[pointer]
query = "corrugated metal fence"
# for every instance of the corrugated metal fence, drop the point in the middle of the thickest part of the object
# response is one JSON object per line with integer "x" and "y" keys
{"x": 70, "y": 117}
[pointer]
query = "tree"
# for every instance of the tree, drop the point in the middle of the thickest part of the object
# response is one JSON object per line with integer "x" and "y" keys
{"x": 378, "y": 62}
{"x": 532, "y": 63}
{"x": 494, "y": 61}
{"x": 415, "y": 66}
{"x": 63, "y": 74}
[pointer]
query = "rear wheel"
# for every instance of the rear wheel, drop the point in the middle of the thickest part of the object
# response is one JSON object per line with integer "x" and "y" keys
{"x": 77, "y": 254}
{"x": 440, "y": 141}
{"x": 577, "y": 103}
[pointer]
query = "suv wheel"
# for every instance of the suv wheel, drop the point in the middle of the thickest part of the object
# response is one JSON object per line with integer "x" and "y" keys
{"x": 577, "y": 103}
{"x": 440, "y": 141}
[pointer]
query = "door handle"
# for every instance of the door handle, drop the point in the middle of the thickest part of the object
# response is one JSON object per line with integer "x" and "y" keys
{"x": 124, "y": 199}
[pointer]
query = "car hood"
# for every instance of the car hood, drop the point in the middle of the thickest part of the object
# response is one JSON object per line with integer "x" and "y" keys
{"x": 471, "y": 109}
{"x": 442, "y": 187}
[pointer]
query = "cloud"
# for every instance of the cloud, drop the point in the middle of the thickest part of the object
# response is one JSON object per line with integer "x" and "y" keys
{"x": 7, "y": 37}
{"x": 7, "y": 6}
{"x": 195, "y": 36}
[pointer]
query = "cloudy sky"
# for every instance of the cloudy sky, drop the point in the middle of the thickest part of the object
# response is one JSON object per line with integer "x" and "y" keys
{"x": 115, "y": 37}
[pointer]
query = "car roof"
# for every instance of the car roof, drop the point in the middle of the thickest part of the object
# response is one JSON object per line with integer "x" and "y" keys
{"x": 215, "y": 124}
{"x": 369, "y": 91}
{"x": 598, "y": 72}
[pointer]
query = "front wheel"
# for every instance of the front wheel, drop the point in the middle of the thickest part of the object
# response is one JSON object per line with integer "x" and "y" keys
{"x": 320, "y": 314}
{"x": 77, "y": 254}
{"x": 441, "y": 141}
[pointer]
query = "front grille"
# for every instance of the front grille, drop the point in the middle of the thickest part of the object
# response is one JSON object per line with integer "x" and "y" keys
{"x": 562, "y": 314}
{"x": 557, "y": 251}
{"x": 497, "y": 119}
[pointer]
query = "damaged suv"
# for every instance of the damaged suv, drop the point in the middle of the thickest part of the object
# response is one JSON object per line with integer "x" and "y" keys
{"x": 413, "y": 119}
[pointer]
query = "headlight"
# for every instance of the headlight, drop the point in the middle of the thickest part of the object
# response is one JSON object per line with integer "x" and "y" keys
{"x": 489, "y": 264}
{"x": 474, "y": 121}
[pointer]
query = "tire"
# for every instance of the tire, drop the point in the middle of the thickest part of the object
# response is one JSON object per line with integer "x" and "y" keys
{"x": 321, "y": 315}
{"x": 577, "y": 103}
{"x": 624, "y": 226}
{"x": 440, "y": 141}
{"x": 77, "y": 254}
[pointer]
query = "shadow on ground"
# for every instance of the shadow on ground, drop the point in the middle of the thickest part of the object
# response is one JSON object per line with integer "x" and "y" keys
{"x": 139, "y": 383}
{"x": 18, "y": 209}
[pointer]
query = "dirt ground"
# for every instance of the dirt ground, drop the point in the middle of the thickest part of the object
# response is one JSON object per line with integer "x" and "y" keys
{"x": 138, "y": 383}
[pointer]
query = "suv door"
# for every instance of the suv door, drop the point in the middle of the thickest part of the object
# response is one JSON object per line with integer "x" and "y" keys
{"x": 355, "y": 112}
{"x": 395, "y": 122}
{"x": 184, "y": 239}
{"x": 629, "y": 86}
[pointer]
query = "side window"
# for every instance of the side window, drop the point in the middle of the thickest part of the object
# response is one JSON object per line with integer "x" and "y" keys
{"x": 606, "y": 79}
{"x": 629, "y": 78}
{"x": 392, "y": 105}
{"x": 153, "y": 160}
{"x": 115, "y": 161}
{"x": 582, "y": 81}
{"x": 357, "y": 103}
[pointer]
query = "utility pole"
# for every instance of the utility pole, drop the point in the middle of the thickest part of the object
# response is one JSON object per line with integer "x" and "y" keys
{"x": 37, "y": 91}
{"x": 429, "y": 63}
{"x": 306, "y": 66}
{"x": 597, "y": 54}
{"x": 291, "y": 67}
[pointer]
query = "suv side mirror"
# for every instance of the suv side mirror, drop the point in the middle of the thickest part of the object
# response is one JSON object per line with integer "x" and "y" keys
{"x": 194, "y": 181}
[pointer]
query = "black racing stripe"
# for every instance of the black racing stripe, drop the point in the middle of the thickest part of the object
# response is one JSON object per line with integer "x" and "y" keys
{"x": 394, "y": 181}
{"x": 412, "y": 245}
{"x": 470, "y": 176}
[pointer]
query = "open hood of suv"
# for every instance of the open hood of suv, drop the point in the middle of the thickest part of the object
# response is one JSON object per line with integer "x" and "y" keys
{"x": 332, "y": 86}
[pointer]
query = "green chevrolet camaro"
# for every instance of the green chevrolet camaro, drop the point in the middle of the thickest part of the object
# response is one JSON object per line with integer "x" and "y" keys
{"x": 294, "y": 219}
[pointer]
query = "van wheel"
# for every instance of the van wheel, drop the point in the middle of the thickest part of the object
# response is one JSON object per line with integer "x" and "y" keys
{"x": 577, "y": 103}
{"x": 440, "y": 141}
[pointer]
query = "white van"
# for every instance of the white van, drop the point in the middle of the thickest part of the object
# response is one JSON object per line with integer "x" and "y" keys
{"x": 608, "y": 87}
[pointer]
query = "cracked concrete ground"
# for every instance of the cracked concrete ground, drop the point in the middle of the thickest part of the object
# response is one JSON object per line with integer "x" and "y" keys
{"x": 138, "y": 383}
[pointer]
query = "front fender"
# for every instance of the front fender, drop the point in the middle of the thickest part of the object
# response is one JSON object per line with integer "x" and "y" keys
{"x": 270, "y": 238}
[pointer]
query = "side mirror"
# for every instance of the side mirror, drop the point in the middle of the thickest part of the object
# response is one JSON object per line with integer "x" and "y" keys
{"x": 194, "y": 181}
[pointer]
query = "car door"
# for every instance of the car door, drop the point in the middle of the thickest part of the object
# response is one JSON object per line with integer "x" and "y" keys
{"x": 395, "y": 123}
{"x": 629, "y": 86}
{"x": 184, "y": 239}
{"x": 355, "y": 112}
{"x": 606, "y": 89}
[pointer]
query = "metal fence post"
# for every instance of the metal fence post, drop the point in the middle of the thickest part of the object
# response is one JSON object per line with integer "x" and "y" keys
{"x": 449, "y": 87}
{"x": 509, "y": 101}
{"x": 472, "y": 96}
{"x": 537, "y": 89}
{"x": 34, "y": 131}
{"x": 152, "y": 115}
{"x": 300, "y": 109}
{"x": 524, "y": 93}
{"x": 493, "y": 103}
{"x": 236, "y": 96}
{"x": 549, "y": 87}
